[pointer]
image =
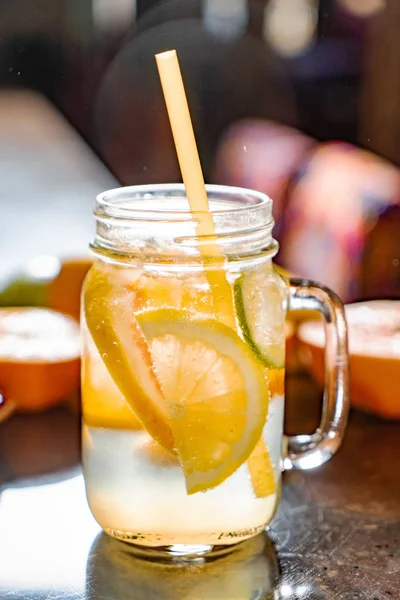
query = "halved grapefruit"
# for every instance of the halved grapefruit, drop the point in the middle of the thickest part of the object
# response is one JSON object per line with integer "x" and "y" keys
{"x": 39, "y": 357}
{"x": 374, "y": 345}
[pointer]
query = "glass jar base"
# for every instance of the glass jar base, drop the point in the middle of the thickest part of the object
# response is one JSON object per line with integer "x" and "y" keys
{"x": 147, "y": 547}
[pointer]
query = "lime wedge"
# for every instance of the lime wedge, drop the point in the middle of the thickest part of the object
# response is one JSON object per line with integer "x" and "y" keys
{"x": 260, "y": 309}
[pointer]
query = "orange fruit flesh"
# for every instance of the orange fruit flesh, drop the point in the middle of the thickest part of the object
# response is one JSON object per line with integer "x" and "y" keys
{"x": 39, "y": 357}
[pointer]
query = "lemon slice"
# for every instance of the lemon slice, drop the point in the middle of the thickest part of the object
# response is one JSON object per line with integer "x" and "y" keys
{"x": 260, "y": 311}
{"x": 215, "y": 391}
{"x": 123, "y": 348}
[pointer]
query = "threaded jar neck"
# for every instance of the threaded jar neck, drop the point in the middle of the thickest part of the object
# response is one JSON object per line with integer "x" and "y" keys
{"x": 154, "y": 222}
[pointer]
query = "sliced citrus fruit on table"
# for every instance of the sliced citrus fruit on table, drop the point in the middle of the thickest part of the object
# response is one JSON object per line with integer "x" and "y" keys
{"x": 374, "y": 355}
{"x": 215, "y": 390}
{"x": 39, "y": 357}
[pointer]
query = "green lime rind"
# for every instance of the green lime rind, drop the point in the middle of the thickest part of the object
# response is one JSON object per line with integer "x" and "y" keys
{"x": 242, "y": 310}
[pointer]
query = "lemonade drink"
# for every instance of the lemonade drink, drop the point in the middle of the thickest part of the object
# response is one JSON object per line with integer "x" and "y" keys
{"x": 183, "y": 405}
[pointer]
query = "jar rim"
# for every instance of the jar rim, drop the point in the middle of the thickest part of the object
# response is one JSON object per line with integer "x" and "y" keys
{"x": 110, "y": 202}
{"x": 156, "y": 220}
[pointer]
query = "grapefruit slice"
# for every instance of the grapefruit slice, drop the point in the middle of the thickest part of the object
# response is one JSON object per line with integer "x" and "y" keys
{"x": 374, "y": 348}
{"x": 124, "y": 350}
{"x": 214, "y": 389}
{"x": 39, "y": 357}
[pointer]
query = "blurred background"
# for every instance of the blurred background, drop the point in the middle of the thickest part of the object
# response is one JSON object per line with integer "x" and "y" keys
{"x": 296, "y": 98}
{"x": 271, "y": 84}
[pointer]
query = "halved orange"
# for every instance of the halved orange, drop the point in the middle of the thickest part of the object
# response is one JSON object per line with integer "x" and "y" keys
{"x": 39, "y": 357}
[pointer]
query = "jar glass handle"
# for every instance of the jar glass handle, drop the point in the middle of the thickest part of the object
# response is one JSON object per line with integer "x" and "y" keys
{"x": 309, "y": 451}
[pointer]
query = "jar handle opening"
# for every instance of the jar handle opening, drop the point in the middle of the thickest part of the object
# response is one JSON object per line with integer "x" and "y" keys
{"x": 309, "y": 451}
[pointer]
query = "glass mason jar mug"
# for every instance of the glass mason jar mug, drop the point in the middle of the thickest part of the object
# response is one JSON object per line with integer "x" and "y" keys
{"x": 183, "y": 369}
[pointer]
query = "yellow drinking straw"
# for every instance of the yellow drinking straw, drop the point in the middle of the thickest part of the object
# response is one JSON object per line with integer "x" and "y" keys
{"x": 259, "y": 463}
{"x": 192, "y": 175}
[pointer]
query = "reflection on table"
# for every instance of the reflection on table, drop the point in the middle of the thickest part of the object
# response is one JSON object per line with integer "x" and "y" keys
{"x": 249, "y": 572}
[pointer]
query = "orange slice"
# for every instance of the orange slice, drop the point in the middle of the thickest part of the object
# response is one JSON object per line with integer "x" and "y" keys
{"x": 123, "y": 348}
{"x": 214, "y": 389}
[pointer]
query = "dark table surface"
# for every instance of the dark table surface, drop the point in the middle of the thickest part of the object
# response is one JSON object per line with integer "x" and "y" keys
{"x": 336, "y": 535}
{"x": 337, "y": 532}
